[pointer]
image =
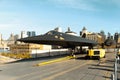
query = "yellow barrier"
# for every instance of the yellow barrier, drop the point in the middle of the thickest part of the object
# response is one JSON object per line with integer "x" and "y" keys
{"x": 56, "y": 60}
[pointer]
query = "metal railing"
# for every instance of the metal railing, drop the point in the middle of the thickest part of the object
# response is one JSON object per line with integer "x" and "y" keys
{"x": 115, "y": 75}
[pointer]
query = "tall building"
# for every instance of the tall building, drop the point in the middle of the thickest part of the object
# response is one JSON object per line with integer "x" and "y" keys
{"x": 24, "y": 34}
{"x": 3, "y": 43}
{"x": 0, "y": 38}
{"x": 31, "y": 33}
{"x": 11, "y": 40}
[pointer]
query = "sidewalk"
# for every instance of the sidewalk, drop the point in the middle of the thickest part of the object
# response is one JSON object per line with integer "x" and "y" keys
{"x": 4, "y": 59}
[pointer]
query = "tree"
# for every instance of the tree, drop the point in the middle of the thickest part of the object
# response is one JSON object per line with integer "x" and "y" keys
{"x": 109, "y": 35}
{"x": 109, "y": 42}
{"x": 102, "y": 33}
{"x": 116, "y": 35}
{"x": 80, "y": 33}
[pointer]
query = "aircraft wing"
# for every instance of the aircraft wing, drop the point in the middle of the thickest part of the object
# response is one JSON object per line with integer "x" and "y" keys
{"x": 58, "y": 38}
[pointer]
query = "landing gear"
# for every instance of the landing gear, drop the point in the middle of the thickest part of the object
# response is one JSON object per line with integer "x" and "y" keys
{"x": 73, "y": 54}
{"x": 98, "y": 57}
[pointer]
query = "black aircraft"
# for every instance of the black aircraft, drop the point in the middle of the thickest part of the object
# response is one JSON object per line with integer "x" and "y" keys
{"x": 61, "y": 39}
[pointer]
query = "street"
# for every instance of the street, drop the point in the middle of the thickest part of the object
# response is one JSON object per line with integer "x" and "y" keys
{"x": 73, "y": 69}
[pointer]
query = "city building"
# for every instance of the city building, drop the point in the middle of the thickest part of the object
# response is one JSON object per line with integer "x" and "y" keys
{"x": 31, "y": 33}
{"x": 27, "y": 34}
{"x": 23, "y": 34}
{"x": 3, "y": 44}
{"x": 96, "y": 37}
{"x": 58, "y": 29}
{"x": 70, "y": 32}
{"x": 100, "y": 38}
{"x": 11, "y": 40}
{"x": 21, "y": 47}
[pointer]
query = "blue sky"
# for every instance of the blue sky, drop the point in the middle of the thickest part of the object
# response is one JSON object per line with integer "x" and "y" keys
{"x": 44, "y": 15}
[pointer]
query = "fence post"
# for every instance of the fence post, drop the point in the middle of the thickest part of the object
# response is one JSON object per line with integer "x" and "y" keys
{"x": 112, "y": 76}
{"x": 115, "y": 70}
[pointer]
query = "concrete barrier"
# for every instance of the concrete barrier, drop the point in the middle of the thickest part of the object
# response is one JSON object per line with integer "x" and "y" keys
{"x": 37, "y": 53}
{"x": 45, "y": 53}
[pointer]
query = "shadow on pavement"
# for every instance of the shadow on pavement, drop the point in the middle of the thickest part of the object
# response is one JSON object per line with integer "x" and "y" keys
{"x": 106, "y": 77}
{"x": 104, "y": 69}
{"x": 81, "y": 58}
{"x": 37, "y": 59}
{"x": 110, "y": 61}
{"x": 100, "y": 65}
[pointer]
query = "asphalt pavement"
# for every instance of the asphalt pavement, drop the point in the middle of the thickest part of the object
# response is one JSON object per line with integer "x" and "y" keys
{"x": 71, "y": 69}
{"x": 118, "y": 70}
